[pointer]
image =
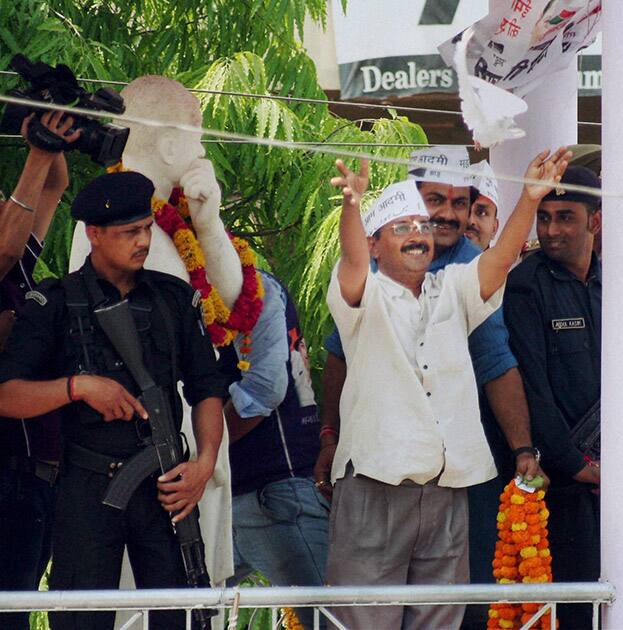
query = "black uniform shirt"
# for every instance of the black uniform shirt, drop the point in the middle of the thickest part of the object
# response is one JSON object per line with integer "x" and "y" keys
{"x": 554, "y": 320}
{"x": 40, "y": 348}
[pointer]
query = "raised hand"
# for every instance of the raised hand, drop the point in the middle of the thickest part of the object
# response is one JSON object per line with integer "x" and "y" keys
{"x": 546, "y": 169}
{"x": 353, "y": 185}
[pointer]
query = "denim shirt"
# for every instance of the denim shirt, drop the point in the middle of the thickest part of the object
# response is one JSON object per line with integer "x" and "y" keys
{"x": 263, "y": 388}
{"x": 488, "y": 344}
{"x": 277, "y": 386}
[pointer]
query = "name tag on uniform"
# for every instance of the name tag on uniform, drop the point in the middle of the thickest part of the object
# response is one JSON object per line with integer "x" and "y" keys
{"x": 37, "y": 297}
{"x": 571, "y": 323}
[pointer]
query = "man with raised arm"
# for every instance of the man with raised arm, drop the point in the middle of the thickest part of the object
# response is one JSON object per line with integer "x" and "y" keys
{"x": 446, "y": 196}
{"x": 411, "y": 440}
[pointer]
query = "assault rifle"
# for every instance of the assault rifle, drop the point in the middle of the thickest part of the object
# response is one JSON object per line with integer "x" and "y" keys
{"x": 163, "y": 449}
{"x": 586, "y": 433}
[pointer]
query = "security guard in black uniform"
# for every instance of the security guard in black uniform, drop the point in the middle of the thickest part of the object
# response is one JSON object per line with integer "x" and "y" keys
{"x": 552, "y": 307}
{"x": 58, "y": 358}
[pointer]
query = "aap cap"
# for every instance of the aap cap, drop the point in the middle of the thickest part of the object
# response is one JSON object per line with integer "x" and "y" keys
{"x": 580, "y": 176}
{"x": 114, "y": 199}
{"x": 426, "y": 162}
{"x": 485, "y": 181}
{"x": 398, "y": 200}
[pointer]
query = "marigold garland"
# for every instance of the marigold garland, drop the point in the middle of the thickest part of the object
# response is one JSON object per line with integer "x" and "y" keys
{"x": 521, "y": 554}
{"x": 290, "y": 620}
{"x": 222, "y": 324}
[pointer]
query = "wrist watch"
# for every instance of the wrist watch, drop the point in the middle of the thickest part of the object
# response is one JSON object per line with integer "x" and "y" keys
{"x": 533, "y": 450}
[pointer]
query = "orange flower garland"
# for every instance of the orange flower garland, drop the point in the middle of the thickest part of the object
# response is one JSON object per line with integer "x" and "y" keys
{"x": 222, "y": 324}
{"x": 290, "y": 620}
{"x": 521, "y": 554}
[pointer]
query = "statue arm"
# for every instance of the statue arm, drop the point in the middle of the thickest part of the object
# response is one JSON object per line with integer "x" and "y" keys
{"x": 223, "y": 266}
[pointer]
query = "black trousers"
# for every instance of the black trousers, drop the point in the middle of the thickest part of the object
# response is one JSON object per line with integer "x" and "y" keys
{"x": 26, "y": 513}
{"x": 574, "y": 544}
{"x": 88, "y": 543}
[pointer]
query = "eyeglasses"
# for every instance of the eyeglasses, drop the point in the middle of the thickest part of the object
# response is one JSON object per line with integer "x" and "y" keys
{"x": 403, "y": 228}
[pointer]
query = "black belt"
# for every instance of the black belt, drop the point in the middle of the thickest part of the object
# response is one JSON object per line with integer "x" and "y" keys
{"x": 46, "y": 471}
{"x": 90, "y": 460}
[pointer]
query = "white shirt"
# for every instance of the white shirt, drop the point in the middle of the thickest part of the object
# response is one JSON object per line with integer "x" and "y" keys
{"x": 409, "y": 407}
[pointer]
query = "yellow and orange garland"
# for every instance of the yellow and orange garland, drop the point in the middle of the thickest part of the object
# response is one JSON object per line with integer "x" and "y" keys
{"x": 521, "y": 553}
{"x": 222, "y": 324}
{"x": 290, "y": 620}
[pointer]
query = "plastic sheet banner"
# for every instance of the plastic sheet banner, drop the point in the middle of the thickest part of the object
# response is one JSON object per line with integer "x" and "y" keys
{"x": 522, "y": 42}
{"x": 389, "y": 47}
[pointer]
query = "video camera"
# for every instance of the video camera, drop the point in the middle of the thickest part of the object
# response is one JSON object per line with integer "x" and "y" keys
{"x": 104, "y": 143}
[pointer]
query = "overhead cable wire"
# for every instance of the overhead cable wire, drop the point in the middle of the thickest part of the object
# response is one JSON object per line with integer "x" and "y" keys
{"x": 307, "y": 147}
{"x": 397, "y": 145}
{"x": 301, "y": 99}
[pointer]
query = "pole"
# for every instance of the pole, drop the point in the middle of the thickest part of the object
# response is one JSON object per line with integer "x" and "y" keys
{"x": 612, "y": 331}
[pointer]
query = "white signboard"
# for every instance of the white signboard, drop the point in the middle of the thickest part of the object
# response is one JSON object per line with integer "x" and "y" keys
{"x": 389, "y": 47}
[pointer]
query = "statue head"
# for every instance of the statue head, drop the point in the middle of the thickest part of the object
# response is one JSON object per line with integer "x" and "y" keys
{"x": 162, "y": 154}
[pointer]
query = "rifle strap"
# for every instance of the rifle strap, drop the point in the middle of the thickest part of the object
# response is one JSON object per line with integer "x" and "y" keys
{"x": 165, "y": 314}
{"x": 81, "y": 327}
{"x": 81, "y": 314}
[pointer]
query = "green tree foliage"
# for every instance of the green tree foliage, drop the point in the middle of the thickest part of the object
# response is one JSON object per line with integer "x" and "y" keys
{"x": 280, "y": 199}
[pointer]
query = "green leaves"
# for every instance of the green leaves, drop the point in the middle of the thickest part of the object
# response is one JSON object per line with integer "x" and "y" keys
{"x": 281, "y": 199}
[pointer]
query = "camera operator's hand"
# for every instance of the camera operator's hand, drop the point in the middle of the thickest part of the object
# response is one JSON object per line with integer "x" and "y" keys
{"x": 57, "y": 123}
{"x": 203, "y": 194}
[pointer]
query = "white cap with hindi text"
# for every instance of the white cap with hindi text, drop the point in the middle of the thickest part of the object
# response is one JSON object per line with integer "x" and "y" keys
{"x": 425, "y": 163}
{"x": 485, "y": 181}
{"x": 398, "y": 200}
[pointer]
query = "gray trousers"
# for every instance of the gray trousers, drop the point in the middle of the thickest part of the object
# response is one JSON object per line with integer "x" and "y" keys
{"x": 395, "y": 535}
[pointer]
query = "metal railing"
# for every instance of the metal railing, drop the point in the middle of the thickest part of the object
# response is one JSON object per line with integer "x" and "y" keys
{"x": 319, "y": 598}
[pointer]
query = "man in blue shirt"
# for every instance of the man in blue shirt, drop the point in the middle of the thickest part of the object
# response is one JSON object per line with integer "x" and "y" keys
{"x": 280, "y": 519}
{"x": 447, "y": 198}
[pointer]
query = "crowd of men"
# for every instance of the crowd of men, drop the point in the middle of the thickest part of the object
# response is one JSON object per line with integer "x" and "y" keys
{"x": 443, "y": 380}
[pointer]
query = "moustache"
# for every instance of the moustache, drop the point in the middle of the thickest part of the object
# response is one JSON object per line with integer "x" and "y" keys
{"x": 423, "y": 247}
{"x": 446, "y": 222}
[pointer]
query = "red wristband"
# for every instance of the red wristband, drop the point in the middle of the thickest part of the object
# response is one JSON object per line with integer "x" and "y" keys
{"x": 326, "y": 430}
{"x": 70, "y": 389}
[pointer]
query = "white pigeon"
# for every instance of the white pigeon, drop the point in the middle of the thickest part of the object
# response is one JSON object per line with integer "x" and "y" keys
{"x": 488, "y": 111}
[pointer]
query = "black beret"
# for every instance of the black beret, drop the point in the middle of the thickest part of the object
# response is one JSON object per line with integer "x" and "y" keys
{"x": 579, "y": 176}
{"x": 114, "y": 199}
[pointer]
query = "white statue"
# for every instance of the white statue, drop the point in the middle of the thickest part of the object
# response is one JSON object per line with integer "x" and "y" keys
{"x": 171, "y": 157}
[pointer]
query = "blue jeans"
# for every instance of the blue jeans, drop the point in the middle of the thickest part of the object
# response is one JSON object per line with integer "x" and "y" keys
{"x": 282, "y": 531}
{"x": 26, "y": 512}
